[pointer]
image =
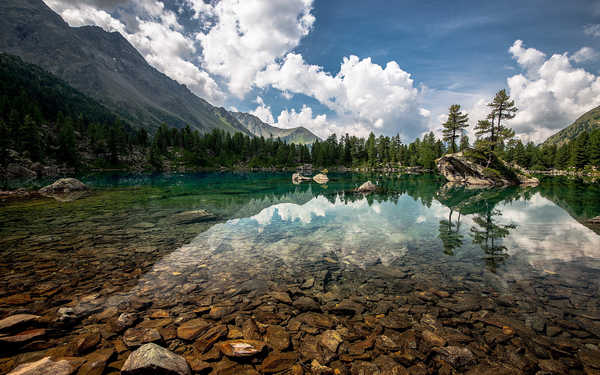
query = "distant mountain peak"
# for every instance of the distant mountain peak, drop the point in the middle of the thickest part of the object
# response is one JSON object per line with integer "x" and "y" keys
{"x": 586, "y": 122}
{"x": 257, "y": 127}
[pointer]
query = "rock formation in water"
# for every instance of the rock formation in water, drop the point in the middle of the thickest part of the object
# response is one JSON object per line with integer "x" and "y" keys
{"x": 367, "y": 187}
{"x": 472, "y": 167}
{"x": 64, "y": 185}
{"x": 321, "y": 178}
{"x": 298, "y": 177}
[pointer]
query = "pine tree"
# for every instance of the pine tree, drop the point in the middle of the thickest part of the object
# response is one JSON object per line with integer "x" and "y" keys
{"x": 30, "y": 138}
{"x": 464, "y": 142}
{"x": 594, "y": 148}
{"x": 579, "y": 157}
{"x": 494, "y": 132}
{"x": 561, "y": 159}
{"x": 371, "y": 149}
{"x": 67, "y": 148}
{"x": 454, "y": 127}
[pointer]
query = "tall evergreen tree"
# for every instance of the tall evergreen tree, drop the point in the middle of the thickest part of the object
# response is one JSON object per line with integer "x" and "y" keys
{"x": 454, "y": 127}
{"x": 492, "y": 130}
{"x": 464, "y": 142}
{"x": 579, "y": 155}
{"x": 30, "y": 138}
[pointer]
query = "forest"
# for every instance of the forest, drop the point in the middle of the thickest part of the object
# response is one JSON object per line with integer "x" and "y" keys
{"x": 44, "y": 119}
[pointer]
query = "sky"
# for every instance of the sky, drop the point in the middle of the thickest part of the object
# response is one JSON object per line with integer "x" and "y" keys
{"x": 368, "y": 66}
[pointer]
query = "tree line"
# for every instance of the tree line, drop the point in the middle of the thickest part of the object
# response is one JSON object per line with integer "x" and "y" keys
{"x": 44, "y": 119}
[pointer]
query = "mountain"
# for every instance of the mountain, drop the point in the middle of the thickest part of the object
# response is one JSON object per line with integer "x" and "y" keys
{"x": 106, "y": 67}
{"x": 589, "y": 121}
{"x": 299, "y": 135}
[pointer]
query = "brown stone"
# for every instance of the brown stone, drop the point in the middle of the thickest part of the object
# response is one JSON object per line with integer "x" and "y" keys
{"x": 44, "y": 366}
{"x": 16, "y": 321}
{"x": 96, "y": 362}
{"x": 277, "y": 337}
{"x": 277, "y": 362}
{"x": 218, "y": 312}
{"x": 306, "y": 304}
{"x": 87, "y": 342}
{"x": 23, "y": 337}
{"x": 207, "y": 339}
{"x": 331, "y": 340}
{"x": 282, "y": 297}
{"x": 432, "y": 339}
{"x": 15, "y": 299}
{"x": 241, "y": 348}
{"x": 456, "y": 356}
{"x": 134, "y": 337}
{"x": 191, "y": 329}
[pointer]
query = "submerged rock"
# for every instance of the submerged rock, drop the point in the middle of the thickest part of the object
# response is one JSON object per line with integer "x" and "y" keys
{"x": 472, "y": 167}
{"x": 241, "y": 348}
{"x": 154, "y": 359}
{"x": 595, "y": 220}
{"x": 367, "y": 187}
{"x": 321, "y": 178}
{"x": 17, "y": 320}
{"x": 44, "y": 366}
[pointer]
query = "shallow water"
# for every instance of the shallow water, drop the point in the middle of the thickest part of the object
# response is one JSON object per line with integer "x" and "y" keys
{"x": 449, "y": 260}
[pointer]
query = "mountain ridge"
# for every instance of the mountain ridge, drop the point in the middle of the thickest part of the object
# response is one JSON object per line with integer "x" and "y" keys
{"x": 261, "y": 129}
{"x": 586, "y": 122}
{"x": 106, "y": 67}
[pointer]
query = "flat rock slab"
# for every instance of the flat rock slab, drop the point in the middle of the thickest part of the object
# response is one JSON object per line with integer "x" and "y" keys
{"x": 16, "y": 321}
{"x": 44, "y": 366}
{"x": 64, "y": 185}
{"x": 156, "y": 360}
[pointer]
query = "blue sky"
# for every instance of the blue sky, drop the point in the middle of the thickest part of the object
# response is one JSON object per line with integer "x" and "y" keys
{"x": 356, "y": 66}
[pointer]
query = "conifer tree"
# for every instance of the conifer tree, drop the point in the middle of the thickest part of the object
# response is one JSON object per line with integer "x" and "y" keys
{"x": 454, "y": 127}
{"x": 579, "y": 157}
{"x": 464, "y": 142}
{"x": 491, "y": 130}
{"x": 30, "y": 138}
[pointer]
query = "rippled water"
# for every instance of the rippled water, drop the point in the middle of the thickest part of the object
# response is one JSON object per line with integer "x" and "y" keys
{"x": 144, "y": 237}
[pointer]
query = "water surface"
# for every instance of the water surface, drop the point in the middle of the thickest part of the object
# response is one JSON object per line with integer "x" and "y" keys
{"x": 226, "y": 240}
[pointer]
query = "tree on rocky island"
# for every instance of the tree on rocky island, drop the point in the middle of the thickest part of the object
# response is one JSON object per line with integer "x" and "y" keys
{"x": 454, "y": 127}
{"x": 492, "y": 132}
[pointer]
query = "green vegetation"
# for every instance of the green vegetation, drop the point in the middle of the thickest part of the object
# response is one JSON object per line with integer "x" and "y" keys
{"x": 454, "y": 126}
{"x": 588, "y": 122}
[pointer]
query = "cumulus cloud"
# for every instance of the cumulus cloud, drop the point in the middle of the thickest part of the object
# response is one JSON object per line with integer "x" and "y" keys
{"x": 289, "y": 119}
{"x": 584, "y": 54}
{"x": 592, "y": 30}
{"x": 154, "y": 32}
{"x": 551, "y": 93}
{"x": 248, "y": 35}
{"x": 364, "y": 95}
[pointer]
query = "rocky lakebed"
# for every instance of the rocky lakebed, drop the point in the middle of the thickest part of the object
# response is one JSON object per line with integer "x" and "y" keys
{"x": 228, "y": 274}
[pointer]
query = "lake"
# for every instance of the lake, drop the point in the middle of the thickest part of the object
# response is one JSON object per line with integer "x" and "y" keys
{"x": 420, "y": 276}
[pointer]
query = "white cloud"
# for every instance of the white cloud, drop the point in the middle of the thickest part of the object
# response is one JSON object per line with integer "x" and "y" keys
{"x": 248, "y": 35}
{"x": 364, "y": 95}
{"x": 156, "y": 35}
{"x": 592, "y": 30}
{"x": 289, "y": 119}
{"x": 550, "y": 94}
{"x": 584, "y": 54}
{"x": 263, "y": 112}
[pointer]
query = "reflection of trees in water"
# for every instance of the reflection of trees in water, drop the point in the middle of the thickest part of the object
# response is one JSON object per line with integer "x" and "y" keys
{"x": 449, "y": 233}
{"x": 488, "y": 235}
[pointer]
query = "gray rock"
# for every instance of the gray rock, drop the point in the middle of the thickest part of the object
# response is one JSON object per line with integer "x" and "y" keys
{"x": 154, "y": 359}
{"x": 471, "y": 167}
{"x": 64, "y": 185}
{"x": 367, "y": 187}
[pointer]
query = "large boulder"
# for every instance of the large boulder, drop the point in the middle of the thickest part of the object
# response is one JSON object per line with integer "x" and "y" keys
{"x": 156, "y": 360}
{"x": 367, "y": 187}
{"x": 321, "y": 178}
{"x": 64, "y": 185}
{"x": 472, "y": 167}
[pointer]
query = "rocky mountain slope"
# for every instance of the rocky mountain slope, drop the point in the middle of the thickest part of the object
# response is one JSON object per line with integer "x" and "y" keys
{"x": 587, "y": 122}
{"x": 299, "y": 135}
{"x": 106, "y": 67}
